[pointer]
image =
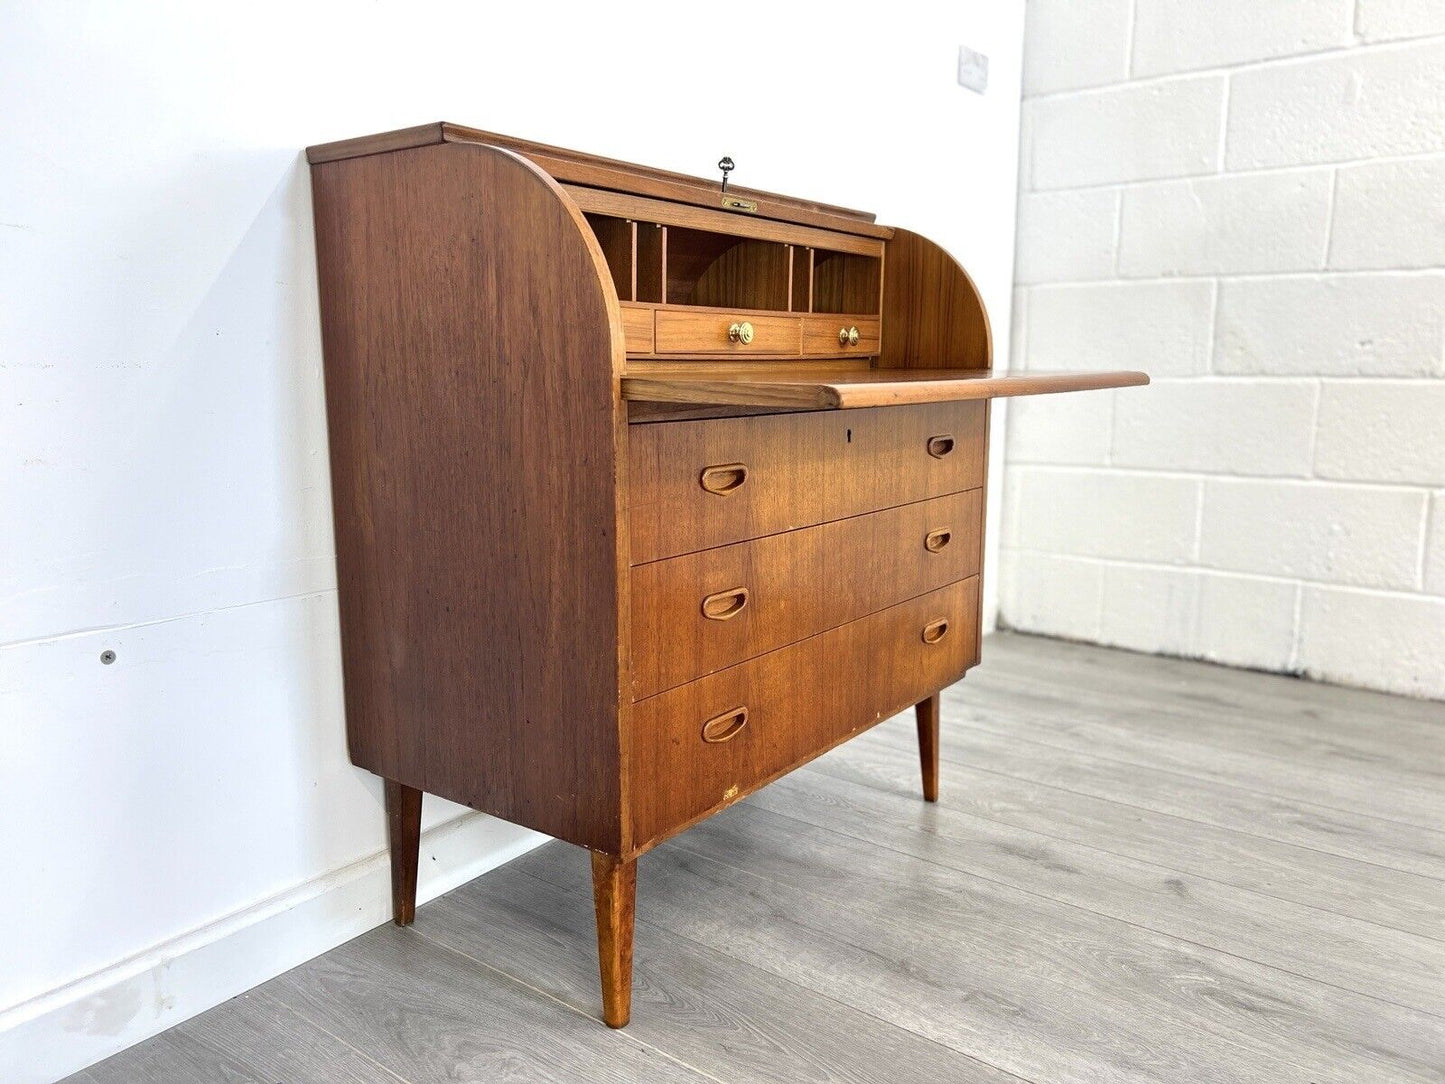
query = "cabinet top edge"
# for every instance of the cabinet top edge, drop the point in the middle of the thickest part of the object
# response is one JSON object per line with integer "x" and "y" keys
{"x": 596, "y": 171}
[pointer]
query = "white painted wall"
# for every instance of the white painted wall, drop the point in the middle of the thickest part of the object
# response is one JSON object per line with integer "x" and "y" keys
{"x": 183, "y": 823}
{"x": 1247, "y": 199}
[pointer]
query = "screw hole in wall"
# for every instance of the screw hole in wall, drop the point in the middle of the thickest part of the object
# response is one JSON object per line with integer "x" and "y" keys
{"x": 107, "y": 657}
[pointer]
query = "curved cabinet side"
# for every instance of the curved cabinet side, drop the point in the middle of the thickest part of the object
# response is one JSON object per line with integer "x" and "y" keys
{"x": 473, "y": 344}
{"x": 933, "y": 315}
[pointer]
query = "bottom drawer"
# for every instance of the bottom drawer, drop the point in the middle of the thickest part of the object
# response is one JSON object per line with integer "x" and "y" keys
{"x": 702, "y": 745}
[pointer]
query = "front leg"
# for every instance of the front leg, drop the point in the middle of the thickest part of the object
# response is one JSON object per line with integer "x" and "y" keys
{"x": 927, "y": 711}
{"x": 614, "y": 892}
{"x": 403, "y": 833}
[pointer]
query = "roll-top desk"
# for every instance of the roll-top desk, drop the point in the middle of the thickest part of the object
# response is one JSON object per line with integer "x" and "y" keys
{"x": 646, "y": 492}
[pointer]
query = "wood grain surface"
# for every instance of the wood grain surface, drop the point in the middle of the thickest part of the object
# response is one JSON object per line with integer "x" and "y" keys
{"x": 796, "y": 706}
{"x": 442, "y": 322}
{"x": 798, "y": 583}
{"x": 802, "y": 469}
{"x": 851, "y": 389}
{"x": 597, "y": 172}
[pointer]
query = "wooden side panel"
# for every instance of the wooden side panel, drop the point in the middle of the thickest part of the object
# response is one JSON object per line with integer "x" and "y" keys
{"x": 792, "y": 470}
{"x": 472, "y": 351}
{"x": 701, "y": 612}
{"x": 933, "y": 315}
{"x": 799, "y": 701}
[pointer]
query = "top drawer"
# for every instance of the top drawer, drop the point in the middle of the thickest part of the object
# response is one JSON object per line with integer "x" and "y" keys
{"x": 697, "y": 484}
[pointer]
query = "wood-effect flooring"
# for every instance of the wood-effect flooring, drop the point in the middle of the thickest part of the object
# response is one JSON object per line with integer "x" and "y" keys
{"x": 1138, "y": 870}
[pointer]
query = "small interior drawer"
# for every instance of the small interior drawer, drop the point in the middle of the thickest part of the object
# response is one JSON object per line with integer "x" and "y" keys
{"x": 722, "y": 332}
{"x": 637, "y": 329}
{"x": 836, "y": 336}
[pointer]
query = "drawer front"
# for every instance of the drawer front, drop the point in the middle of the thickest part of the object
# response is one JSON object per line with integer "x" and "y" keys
{"x": 831, "y": 335}
{"x": 701, "y": 612}
{"x": 697, "y": 484}
{"x": 708, "y": 333}
{"x": 701, "y": 746}
{"x": 637, "y": 329}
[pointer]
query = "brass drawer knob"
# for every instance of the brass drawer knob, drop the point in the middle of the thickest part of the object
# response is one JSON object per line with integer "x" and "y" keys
{"x": 725, "y": 604}
{"x": 935, "y": 630}
{"x": 934, "y": 541}
{"x": 847, "y": 336}
{"x": 724, "y": 727}
{"x": 724, "y": 478}
{"x": 740, "y": 332}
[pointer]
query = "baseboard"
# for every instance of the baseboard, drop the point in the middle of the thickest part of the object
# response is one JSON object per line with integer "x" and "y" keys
{"x": 64, "y": 1031}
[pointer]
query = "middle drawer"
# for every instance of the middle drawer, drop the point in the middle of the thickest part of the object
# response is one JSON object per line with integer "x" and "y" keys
{"x": 703, "y": 611}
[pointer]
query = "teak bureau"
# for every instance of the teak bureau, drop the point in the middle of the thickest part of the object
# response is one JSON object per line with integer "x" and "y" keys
{"x": 646, "y": 492}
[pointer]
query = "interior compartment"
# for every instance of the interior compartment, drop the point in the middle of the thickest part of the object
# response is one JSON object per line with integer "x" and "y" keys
{"x": 651, "y": 253}
{"x": 802, "y": 279}
{"x": 723, "y": 271}
{"x": 616, "y": 236}
{"x": 845, "y": 282}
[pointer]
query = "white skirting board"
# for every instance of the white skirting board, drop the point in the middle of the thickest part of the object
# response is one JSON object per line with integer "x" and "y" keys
{"x": 85, "y": 1022}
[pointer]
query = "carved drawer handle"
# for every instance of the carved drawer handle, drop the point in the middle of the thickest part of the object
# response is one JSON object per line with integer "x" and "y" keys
{"x": 936, "y": 540}
{"x": 725, "y": 604}
{"x": 935, "y": 630}
{"x": 724, "y": 478}
{"x": 724, "y": 727}
{"x": 941, "y": 445}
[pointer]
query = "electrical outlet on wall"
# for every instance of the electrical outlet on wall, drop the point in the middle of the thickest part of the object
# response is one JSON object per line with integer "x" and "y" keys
{"x": 972, "y": 69}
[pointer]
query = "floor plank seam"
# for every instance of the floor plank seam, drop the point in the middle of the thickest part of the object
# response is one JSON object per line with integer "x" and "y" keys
{"x": 1197, "y": 778}
{"x": 1076, "y": 907}
{"x": 1439, "y": 938}
{"x": 621, "y": 1033}
{"x": 976, "y": 766}
{"x": 278, "y": 1003}
{"x": 774, "y": 976}
{"x": 808, "y": 990}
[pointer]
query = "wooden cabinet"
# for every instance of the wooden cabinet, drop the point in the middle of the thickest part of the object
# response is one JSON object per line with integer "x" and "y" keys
{"x": 644, "y": 495}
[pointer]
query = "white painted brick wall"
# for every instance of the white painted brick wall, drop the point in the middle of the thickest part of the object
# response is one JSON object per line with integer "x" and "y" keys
{"x": 1246, "y": 199}
{"x": 1071, "y": 429}
{"x": 1070, "y": 45}
{"x": 1389, "y": 215}
{"x": 1066, "y": 236}
{"x": 1225, "y": 225}
{"x": 1245, "y": 621}
{"x": 1382, "y": 20}
{"x": 1362, "y": 535}
{"x": 1057, "y": 596}
{"x": 1093, "y": 138}
{"x": 1355, "y": 325}
{"x": 1355, "y": 104}
{"x": 1103, "y": 514}
{"x": 1217, "y": 427}
{"x": 1382, "y": 432}
{"x": 1165, "y": 327}
{"x": 1435, "y": 545}
{"x": 1184, "y": 35}
{"x": 1371, "y": 638}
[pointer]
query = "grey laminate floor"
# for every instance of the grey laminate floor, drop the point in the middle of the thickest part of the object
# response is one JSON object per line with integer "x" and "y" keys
{"x": 1139, "y": 870}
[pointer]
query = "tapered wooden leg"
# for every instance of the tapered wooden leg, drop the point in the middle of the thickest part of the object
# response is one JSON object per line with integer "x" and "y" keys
{"x": 614, "y": 891}
{"x": 927, "y": 711}
{"x": 403, "y": 833}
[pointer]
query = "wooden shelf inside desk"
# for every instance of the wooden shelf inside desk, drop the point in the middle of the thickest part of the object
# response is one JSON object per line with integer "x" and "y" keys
{"x": 814, "y": 390}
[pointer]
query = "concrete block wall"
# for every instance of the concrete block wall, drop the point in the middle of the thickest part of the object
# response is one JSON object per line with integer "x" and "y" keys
{"x": 1245, "y": 198}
